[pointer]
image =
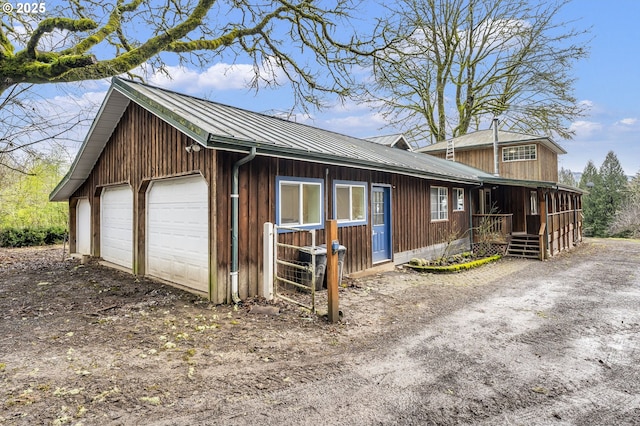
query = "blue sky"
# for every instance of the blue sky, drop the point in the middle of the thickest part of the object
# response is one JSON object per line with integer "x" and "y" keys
{"x": 608, "y": 81}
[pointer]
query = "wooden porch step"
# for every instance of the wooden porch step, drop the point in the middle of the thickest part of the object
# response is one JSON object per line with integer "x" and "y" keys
{"x": 527, "y": 246}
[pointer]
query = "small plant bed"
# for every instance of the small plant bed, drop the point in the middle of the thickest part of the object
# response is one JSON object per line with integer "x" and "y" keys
{"x": 456, "y": 263}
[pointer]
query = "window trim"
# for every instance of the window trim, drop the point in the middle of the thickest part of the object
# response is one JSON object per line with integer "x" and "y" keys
{"x": 350, "y": 184}
{"x": 446, "y": 212}
{"x": 454, "y": 205}
{"x": 301, "y": 182}
{"x": 520, "y": 147}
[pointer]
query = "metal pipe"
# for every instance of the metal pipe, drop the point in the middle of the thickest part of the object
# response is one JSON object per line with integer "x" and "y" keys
{"x": 235, "y": 195}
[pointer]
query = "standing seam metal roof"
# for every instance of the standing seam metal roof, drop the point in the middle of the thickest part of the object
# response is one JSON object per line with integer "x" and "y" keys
{"x": 229, "y": 128}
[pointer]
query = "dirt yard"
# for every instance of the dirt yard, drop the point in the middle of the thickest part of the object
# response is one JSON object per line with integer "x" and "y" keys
{"x": 514, "y": 342}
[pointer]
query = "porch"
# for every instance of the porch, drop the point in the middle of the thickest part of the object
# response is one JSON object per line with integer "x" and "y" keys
{"x": 555, "y": 232}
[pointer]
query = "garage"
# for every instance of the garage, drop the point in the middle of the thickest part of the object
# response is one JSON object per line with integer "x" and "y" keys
{"x": 83, "y": 227}
{"x": 116, "y": 225}
{"x": 178, "y": 231}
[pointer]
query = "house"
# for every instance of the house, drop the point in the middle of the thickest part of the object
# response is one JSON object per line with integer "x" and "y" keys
{"x": 178, "y": 188}
{"x": 544, "y": 217}
{"x": 519, "y": 156}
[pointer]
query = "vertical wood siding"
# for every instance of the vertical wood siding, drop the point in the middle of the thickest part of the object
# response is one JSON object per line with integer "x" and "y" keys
{"x": 544, "y": 168}
{"x": 412, "y": 227}
{"x": 143, "y": 148}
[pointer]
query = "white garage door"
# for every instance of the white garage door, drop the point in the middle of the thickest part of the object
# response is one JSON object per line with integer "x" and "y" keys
{"x": 116, "y": 225}
{"x": 178, "y": 231}
{"x": 83, "y": 227}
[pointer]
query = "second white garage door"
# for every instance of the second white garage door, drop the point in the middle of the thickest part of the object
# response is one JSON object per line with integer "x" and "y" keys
{"x": 178, "y": 231}
{"x": 116, "y": 225}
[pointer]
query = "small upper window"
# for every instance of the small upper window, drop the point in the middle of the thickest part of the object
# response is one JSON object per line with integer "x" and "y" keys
{"x": 458, "y": 201}
{"x": 299, "y": 202}
{"x": 519, "y": 153}
{"x": 350, "y": 202}
{"x": 439, "y": 205}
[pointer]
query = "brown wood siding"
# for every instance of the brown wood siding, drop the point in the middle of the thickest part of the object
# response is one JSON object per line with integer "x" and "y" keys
{"x": 412, "y": 227}
{"x": 548, "y": 161}
{"x": 513, "y": 200}
{"x": 142, "y": 148}
{"x": 544, "y": 168}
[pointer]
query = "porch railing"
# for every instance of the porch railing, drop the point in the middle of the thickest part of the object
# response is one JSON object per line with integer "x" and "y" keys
{"x": 492, "y": 227}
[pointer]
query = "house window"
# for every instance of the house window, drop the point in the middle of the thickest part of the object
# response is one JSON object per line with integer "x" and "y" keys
{"x": 519, "y": 153}
{"x": 299, "y": 202}
{"x": 439, "y": 208}
{"x": 350, "y": 202}
{"x": 533, "y": 197}
{"x": 458, "y": 201}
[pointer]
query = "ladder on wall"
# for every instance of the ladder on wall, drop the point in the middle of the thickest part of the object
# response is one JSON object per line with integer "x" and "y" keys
{"x": 451, "y": 155}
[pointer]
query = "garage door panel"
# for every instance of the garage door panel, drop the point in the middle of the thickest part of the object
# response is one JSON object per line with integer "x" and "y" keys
{"x": 178, "y": 232}
{"x": 116, "y": 225}
{"x": 83, "y": 227}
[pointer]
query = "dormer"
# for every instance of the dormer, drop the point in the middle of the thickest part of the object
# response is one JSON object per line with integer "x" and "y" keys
{"x": 520, "y": 156}
{"x": 392, "y": 141}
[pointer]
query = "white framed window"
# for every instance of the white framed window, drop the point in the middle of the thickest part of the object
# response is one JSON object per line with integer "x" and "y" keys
{"x": 299, "y": 202}
{"x": 350, "y": 202}
{"x": 519, "y": 153}
{"x": 458, "y": 199}
{"x": 439, "y": 203}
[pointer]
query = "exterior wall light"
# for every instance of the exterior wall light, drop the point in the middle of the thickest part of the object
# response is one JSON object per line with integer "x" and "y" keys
{"x": 194, "y": 147}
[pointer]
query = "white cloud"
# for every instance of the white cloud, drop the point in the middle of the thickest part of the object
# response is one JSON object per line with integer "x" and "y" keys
{"x": 220, "y": 77}
{"x": 585, "y": 129}
{"x": 364, "y": 125}
{"x": 628, "y": 121}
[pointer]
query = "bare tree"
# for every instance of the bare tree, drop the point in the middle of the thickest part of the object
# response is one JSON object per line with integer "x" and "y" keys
{"x": 455, "y": 64}
{"x": 627, "y": 220}
{"x": 93, "y": 39}
{"x": 33, "y": 127}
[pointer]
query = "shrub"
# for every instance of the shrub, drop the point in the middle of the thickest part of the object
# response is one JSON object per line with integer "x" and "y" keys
{"x": 23, "y": 237}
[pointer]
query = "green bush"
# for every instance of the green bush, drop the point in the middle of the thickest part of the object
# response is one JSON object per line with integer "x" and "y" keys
{"x": 23, "y": 237}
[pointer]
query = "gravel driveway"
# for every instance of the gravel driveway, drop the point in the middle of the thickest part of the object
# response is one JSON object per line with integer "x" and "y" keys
{"x": 515, "y": 342}
{"x": 552, "y": 343}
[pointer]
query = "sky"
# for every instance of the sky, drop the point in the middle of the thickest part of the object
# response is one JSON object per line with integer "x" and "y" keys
{"x": 608, "y": 82}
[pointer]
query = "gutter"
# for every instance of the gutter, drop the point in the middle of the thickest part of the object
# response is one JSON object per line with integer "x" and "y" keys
{"x": 235, "y": 195}
{"x": 217, "y": 142}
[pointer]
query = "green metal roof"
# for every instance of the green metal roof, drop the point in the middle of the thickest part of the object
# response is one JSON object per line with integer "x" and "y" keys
{"x": 228, "y": 128}
{"x": 484, "y": 138}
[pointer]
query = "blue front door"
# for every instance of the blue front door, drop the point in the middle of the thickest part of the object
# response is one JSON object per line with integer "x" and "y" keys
{"x": 381, "y": 220}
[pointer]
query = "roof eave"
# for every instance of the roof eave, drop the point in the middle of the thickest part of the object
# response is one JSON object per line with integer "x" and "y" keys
{"x": 187, "y": 127}
{"x": 62, "y": 191}
{"x": 228, "y": 144}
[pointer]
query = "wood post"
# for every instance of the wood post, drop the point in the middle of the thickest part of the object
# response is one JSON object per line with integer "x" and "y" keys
{"x": 331, "y": 233}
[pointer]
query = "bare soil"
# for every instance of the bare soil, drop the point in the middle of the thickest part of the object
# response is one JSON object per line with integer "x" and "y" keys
{"x": 513, "y": 342}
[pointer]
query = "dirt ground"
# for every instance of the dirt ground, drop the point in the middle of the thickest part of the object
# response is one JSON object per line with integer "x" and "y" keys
{"x": 513, "y": 342}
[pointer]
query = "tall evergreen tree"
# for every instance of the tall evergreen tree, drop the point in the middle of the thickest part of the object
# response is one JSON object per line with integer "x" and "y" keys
{"x": 565, "y": 176}
{"x": 592, "y": 183}
{"x": 615, "y": 187}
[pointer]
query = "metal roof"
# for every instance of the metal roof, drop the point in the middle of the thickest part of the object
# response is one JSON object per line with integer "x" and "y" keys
{"x": 392, "y": 141}
{"x": 228, "y": 128}
{"x": 484, "y": 138}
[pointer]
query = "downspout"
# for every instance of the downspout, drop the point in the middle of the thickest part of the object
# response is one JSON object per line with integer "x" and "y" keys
{"x": 496, "y": 169}
{"x": 235, "y": 195}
